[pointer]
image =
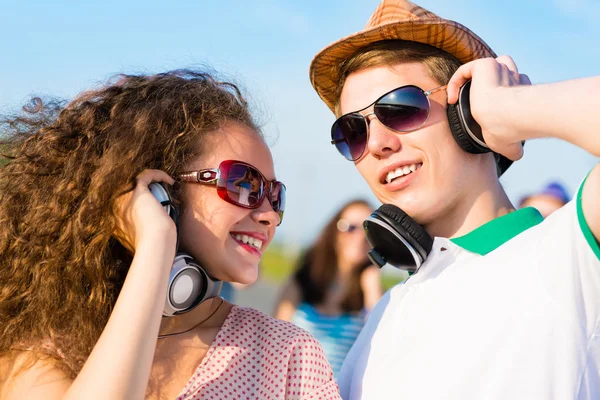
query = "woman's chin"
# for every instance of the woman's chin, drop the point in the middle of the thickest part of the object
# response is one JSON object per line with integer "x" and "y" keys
{"x": 244, "y": 274}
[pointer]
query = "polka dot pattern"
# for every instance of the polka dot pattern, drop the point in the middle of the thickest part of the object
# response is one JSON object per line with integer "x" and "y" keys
{"x": 255, "y": 356}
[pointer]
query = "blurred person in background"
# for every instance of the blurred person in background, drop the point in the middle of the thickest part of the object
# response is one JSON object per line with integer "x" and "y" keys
{"x": 551, "y": 198}
{"x": 335, "y": 284}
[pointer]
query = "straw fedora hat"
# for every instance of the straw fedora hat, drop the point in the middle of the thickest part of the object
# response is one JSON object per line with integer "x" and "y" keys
{"x": 395, "y": 19}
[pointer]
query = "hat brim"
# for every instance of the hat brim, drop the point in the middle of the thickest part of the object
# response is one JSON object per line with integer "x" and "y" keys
{"x": 450, "y": 36}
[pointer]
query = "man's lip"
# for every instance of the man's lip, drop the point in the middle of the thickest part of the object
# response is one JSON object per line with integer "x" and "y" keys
{"x": 393, "y": 167}
{"x": 401, "y": 182}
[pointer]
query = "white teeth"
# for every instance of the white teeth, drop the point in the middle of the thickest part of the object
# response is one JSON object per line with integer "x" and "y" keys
{"x": 252, "y": 241}
{"x": 390, "y": 175}
{"x": 401, "y": 171}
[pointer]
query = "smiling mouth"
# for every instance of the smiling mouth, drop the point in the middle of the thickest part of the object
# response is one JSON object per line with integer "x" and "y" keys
{"x": 402, "y": 171}
{"x": 249, "y": 240}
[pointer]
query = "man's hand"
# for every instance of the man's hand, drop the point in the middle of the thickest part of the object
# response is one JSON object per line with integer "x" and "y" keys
{"x": 489, "y": 80}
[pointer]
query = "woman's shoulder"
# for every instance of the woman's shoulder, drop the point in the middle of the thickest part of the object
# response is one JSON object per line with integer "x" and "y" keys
{"x": 25, "y": 376}
{"x": 249, "y": 321}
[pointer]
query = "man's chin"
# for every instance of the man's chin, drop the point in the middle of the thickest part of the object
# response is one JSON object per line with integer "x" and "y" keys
{"x": 418, "y": 212}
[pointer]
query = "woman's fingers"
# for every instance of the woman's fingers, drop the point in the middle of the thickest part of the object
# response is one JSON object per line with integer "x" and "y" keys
{"x": 154, "y": 175}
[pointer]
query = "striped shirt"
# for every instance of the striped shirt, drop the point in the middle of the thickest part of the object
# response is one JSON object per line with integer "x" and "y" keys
{"x": 336, "y": 333}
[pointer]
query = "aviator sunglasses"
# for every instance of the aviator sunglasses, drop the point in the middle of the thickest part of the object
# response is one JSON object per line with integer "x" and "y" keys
{"x": 403, "y": 109}
{"x": 241, "y": 184}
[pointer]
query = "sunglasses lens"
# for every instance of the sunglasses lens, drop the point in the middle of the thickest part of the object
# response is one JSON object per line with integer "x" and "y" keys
{"x": 245, "y": 185}
{"x": 349, "y": 134}
{"x": 352, "y": 228}
{"x": 278, "y": 199}
{"x": 404, "y": 109}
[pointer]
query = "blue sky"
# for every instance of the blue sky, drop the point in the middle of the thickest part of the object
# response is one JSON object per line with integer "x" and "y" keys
{"x": 64, "y": 47}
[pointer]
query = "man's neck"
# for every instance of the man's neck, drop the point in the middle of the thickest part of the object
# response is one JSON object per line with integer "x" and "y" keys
{"x": 481, "y": 207}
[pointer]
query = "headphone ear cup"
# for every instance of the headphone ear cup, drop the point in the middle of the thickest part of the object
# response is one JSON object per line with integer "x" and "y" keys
{"x": 460, "y": 133}
{"x": 461, "y": 122}
{"x": 467, "y": 132}
{"x": 416, "y": 235}
{"x": 396, "y": 239}
{"x": 160, "y": 192}
{"x": 185, "y": 285}
{"x": 189, "y": 285}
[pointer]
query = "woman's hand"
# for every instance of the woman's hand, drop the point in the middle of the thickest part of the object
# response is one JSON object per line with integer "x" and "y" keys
{"x": 370, "y": 282}
{"x": 140, "y": 215}
{"x": 124, "y": 353}
{"x": 489, "y": 80}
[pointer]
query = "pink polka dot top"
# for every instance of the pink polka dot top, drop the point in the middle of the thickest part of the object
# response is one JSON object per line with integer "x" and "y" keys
{"x": 255, "y": 356}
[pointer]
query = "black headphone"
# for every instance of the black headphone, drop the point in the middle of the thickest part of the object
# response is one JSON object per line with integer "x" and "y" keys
{"x": 467, "y": 132}
{"x": 189, "y": 284}
{"x": 395, "y": 238}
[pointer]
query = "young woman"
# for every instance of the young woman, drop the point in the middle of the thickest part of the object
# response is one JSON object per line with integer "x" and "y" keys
{"x": 334, "y": 285}
{"x": 86, "y": 250}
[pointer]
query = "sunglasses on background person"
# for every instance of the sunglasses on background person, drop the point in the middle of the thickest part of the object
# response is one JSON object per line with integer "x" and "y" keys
{"x": 403, "y": 109}
{"x": 236, "y": 184}
{"x": 345, "y": 226}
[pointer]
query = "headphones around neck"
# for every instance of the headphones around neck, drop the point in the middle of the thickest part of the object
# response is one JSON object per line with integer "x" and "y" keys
{"x": 395, "y": 238}
{"x": 189, "y": 284}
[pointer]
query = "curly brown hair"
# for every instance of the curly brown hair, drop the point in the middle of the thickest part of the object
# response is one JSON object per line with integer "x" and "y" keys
{"x": 61, "y": 269}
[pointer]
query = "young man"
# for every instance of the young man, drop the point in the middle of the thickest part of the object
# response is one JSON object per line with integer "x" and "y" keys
{"x": 506, "y": 305}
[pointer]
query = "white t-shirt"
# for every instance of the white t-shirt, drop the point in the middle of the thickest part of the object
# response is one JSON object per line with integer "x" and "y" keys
{"x": 508, "y": 311}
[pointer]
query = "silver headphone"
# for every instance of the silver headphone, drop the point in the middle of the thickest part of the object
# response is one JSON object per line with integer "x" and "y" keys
{"x": 189, "y": 284}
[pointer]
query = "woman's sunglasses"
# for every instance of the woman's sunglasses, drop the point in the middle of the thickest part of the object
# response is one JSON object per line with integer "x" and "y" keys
{"x": 241, "y": 184}
{"x": 403, "y": 109}
{"x": 345, "y": 226}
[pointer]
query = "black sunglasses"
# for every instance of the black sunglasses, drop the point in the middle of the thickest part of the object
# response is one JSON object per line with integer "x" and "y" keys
{"x": 403, "y": 109}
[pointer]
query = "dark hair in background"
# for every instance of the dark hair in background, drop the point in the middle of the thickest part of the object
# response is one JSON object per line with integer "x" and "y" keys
{"x": 317, "y": 267}
{"x": 61, "y": 268}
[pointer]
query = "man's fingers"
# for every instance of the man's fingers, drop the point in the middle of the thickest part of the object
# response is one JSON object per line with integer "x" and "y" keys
{"x": 524, "y": 79}
{"x": 460, "y": 77}
{"x": 509, "y": 62}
